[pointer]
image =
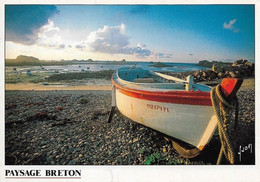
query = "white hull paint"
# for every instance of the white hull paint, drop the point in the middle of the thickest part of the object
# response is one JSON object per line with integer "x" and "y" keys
{"x": 193, "y": 124}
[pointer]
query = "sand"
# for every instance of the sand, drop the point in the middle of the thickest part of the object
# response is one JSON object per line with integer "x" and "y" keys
{"x": 35, "y": 86}
{"x": 248, "y": 82}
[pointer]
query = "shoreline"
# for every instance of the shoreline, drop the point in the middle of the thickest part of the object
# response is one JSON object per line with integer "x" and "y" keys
{"x": 248, "y": 82}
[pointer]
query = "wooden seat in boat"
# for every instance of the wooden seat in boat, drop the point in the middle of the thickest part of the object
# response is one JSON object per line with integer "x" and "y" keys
{"x": 144, "y": 80}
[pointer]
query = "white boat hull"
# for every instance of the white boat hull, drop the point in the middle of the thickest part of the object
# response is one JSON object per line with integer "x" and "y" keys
{"x": 193, "y": 124}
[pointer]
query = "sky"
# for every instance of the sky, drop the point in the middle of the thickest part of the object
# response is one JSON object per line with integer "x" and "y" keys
{"x": 166, "y": 33}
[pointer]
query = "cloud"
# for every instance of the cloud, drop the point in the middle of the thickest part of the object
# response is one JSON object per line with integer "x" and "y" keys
{"x": 230, "y": 25}
{"x": 113, "y": 40}
{"x": 163, "y": 56}
{"x": 81, "y": 46}
{"x": 190, "y": 54}
{"x": 48, "y": 36}
{"x": 108, "y": 39}
{"x": 140, "y": 50}
{"x": 22, "y": 22}
{"x": 62, "y": 46}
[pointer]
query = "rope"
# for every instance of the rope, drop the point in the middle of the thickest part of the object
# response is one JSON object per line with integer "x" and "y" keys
{"x": 224, "y": 112}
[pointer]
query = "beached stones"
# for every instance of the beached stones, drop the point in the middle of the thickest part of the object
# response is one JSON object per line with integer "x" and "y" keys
{"x": 80, "y": 135}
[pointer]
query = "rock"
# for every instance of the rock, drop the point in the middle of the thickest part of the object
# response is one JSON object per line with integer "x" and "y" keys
{"x": 240, "y": 68}
{"x": 233, "y": 74}
{"x": 208, "y": 64}
{"x": 237, "y": 62}
{"x": 36, "y": 153}
{"x": 135, "y": 140}
{"x": 217, "y": 69}
{"x": 59, "y": 108}
{"x": 161, "y": 65}
{"x": 197, "y": 73}
{"x": 44, "y": 142}
{"x": 213, "y": 67}
{"x": 249, "y": 64}
{"x": 205, "y": 63}
{"x": 72, "y": 162}
{"x": 204, "y": 74}
{"x": 212, "y": 74}
{"x": 227, "y": 75}
{"x": 164, "y": 150}
{"x": 220, "y": 75}
{"x": 229, "y": 68}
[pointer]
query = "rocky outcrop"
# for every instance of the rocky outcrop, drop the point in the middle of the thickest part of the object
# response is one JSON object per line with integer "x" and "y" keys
{"x": 209, "y": 64}
{"x": 239, "y": 69}
{"x": 23, "y": 61}
{"x": 27, "y": 58}
{"x": 160, "y": 65}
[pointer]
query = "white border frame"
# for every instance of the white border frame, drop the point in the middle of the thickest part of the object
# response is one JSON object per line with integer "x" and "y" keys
{"x": 140, "y": 173}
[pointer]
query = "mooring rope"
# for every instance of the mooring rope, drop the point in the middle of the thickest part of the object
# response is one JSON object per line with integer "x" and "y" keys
{"x": 224, "y": 111}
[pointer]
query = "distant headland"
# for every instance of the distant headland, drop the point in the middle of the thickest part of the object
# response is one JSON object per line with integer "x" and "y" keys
{"x": 23, "y": 60}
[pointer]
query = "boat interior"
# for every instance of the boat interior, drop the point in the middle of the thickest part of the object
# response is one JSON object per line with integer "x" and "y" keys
{"x": 149, "y": 79}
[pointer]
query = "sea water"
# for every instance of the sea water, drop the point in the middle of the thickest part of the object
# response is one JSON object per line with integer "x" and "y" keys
{"x": 103, "y": 65}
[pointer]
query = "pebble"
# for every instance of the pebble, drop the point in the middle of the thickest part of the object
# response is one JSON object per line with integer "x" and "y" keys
{"x": 84, "y": 140}
{"x": 44, "y": 142}
{"x": 135, "y": 140}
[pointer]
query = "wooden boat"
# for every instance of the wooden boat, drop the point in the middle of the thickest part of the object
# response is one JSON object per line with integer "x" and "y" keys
{"x": 178, "y": 108}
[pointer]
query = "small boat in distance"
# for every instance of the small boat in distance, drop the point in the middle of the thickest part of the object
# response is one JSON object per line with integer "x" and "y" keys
{"x": 45, "y": 83}
{"x": 180, "y": 109}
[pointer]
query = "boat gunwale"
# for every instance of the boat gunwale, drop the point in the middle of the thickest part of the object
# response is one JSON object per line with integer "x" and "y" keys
{"x": 144, "y": 84}
{"x": 174, "y": 96}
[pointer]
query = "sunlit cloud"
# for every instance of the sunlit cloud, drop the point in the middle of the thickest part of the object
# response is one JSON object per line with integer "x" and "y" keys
{"x": 109, "y": 39}
{"x": 113, "y": 40}
{"x": 48, "y": 36}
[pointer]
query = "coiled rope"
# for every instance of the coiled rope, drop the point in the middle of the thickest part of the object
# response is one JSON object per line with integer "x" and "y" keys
{"x": 224, "y": 112}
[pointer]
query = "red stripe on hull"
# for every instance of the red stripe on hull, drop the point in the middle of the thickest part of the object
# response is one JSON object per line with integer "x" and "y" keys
{"x": 176, "y": 97}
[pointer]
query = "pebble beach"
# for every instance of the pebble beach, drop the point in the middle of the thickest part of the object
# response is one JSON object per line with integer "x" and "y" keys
{"x": 69, "y": 127}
